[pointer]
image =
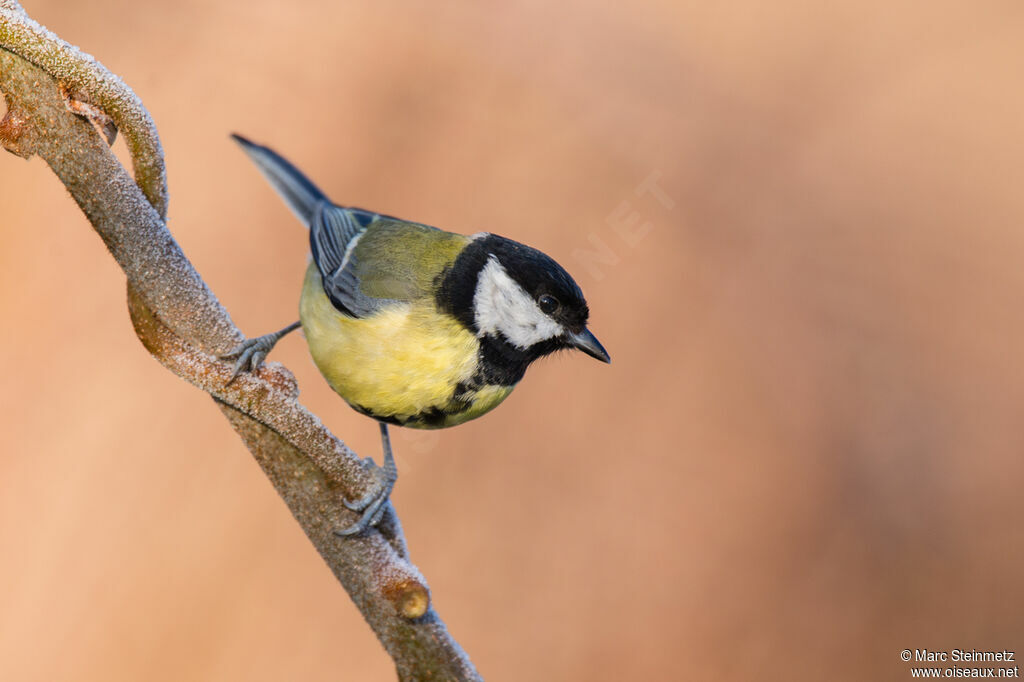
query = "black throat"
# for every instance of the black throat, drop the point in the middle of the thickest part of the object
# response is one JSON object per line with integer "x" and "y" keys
{"x": 502, "y": 364}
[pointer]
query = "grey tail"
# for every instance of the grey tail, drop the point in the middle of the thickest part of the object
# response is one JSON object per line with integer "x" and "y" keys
{"x": 301, "y": 195}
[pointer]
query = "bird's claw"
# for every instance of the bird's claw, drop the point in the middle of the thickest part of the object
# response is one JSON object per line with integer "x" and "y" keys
{"x": 372, "y": 505}
{"x": 251, "y": 353}
{"x": 248, "y": 355}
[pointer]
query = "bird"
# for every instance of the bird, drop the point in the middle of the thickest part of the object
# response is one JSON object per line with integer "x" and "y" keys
{"x": 413, "y": 325}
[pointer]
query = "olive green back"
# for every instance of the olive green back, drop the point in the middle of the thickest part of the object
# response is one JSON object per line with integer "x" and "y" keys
{"x": 398, "y": 260}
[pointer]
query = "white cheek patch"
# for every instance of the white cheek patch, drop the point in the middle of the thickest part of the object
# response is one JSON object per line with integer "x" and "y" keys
{"x": 501, "y": 305}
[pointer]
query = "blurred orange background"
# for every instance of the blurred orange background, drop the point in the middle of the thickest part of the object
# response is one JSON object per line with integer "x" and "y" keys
{"x": 799, "y": 228}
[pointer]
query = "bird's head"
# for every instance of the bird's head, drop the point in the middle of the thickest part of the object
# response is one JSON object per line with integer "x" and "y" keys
{"x": 519, "y": 300}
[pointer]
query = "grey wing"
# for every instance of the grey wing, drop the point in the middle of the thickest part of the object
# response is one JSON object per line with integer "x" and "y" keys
{"x": 333, "y": 234}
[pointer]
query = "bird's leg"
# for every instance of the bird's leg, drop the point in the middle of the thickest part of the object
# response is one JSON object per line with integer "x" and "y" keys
{"x": 373, "y": 503}
{"x": 249, "y": 354}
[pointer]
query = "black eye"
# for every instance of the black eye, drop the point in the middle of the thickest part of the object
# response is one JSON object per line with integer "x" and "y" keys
{"x": 548, "y": 304}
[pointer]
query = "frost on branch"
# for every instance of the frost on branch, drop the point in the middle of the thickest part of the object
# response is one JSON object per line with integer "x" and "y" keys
{"x": 182, "y": 324}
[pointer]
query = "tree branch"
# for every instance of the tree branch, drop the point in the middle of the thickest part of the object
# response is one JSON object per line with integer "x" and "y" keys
{"x": 180, "y": 321}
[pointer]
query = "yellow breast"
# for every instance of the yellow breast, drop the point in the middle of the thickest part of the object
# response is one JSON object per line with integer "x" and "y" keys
{"x": 402, "y": 364}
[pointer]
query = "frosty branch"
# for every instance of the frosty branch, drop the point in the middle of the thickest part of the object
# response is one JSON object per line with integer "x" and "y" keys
{"x": 45, "y": 81}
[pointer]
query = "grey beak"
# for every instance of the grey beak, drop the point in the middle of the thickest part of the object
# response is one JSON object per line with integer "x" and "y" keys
{"x": 588, "y": 343}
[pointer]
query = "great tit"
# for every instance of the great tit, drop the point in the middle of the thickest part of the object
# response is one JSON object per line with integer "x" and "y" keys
{"x": 413, "y": 325}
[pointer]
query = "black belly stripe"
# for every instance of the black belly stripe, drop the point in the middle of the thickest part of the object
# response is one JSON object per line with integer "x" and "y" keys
{"x": 499, "y": 363}
{"x": 389, "y": 419}
{"x": 435, "y": 415}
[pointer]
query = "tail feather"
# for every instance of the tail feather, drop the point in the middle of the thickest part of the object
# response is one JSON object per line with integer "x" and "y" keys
{"x": 299, "y": 192}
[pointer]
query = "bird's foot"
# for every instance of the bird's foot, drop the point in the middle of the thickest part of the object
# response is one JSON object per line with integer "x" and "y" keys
{"x": 374, "y": 503}
{"x": 251, "y": 353}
